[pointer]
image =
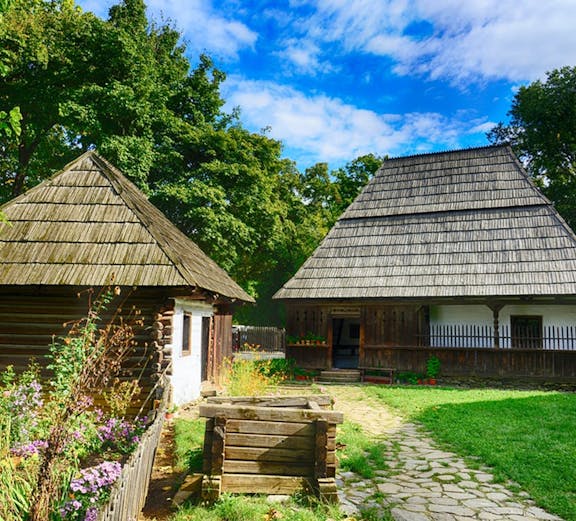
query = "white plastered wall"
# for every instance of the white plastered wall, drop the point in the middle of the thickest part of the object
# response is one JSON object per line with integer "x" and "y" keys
{"x": 478, "y": 315}
{"x": 187, "y": 369}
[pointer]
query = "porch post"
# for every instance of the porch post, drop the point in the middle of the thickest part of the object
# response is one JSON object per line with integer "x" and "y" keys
{"x": 496, "y": 315}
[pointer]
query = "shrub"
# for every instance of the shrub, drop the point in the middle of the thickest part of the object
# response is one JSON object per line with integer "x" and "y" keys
{"x": 243, "y": 377}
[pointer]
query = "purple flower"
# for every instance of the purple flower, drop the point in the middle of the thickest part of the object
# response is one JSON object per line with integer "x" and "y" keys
{"x": 29, "y": 449}
{"x": 120, "y": 434}
{"x": 90, "y": 489}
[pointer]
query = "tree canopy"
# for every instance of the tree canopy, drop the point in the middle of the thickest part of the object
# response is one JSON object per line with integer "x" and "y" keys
{"x": 125, "y": 86}
{"x": 542, "y": 131}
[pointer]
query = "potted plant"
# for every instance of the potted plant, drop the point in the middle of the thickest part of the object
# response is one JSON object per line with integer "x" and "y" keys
{"x": 432, "y": 369}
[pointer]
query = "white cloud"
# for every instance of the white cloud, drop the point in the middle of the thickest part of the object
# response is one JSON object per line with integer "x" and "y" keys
{"x": 203, "y": 27}
{"x": 319, "y": 128}
{"x": 466, "y": 42}
{"x": 303, "y": 57}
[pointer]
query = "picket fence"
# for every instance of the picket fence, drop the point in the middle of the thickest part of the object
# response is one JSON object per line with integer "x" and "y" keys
{"x": 129, "y": 492}
{"x": 554, "y": 338}
{"x": 268, "y": 339}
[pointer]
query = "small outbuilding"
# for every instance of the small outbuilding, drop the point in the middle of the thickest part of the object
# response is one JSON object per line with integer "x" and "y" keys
{"x": 454, "y": 254}
{"x": 88, "y": 227}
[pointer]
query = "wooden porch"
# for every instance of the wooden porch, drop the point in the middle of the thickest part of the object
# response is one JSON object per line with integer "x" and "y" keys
{"x": 401, "y": 337}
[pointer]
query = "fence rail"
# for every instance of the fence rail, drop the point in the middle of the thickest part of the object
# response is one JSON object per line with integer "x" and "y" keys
{"x": 129, "y": 492}
{"x": 553, "y": 338}
{"x": 267, "y": 338}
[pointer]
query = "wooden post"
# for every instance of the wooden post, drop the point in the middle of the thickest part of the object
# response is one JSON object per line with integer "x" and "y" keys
{"x": 495, "y": 307}
{"x": 218, "y": 436}
{"x": 212, "y": 483}
{"x": 329, "y": 341}
{"x": 362, "y": 338}
{"x": 320, "y": 449}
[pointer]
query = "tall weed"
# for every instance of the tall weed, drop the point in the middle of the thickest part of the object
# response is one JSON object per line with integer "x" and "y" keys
{"x": 245, "y": 377}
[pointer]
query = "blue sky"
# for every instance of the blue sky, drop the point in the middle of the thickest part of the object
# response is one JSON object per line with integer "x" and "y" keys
{"x": 334, "y": 79}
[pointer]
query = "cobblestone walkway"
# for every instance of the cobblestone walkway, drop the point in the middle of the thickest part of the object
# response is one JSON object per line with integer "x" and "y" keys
{"x": 428, "y": 484}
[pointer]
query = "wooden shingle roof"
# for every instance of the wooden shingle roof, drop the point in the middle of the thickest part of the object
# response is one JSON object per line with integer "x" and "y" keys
{"x": 467, "y": 223}
{"x": 87, "y": 224}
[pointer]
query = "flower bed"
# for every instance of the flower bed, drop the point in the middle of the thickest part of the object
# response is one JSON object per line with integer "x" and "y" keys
{"x": 61, "y": 456}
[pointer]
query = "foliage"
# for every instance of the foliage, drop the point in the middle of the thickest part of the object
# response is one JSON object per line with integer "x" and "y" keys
{"x": 10, "y": 119}
{"x": 188, "y": 442}
{"x": 248, "y": 377}
{"x": 245, "y": 508}
{"x": 542, "y": 131}
{"x": 432, "y": 367}
{"x": 279, "y": 368}
{"x": 121, "y": 435}
{"x": 43, "y": 442}
{"x": 524, "y": 436}
{"x": 118, "y": 396}
{"x": 16, "y": 486}
{"x": 124, "y": 86}
{"x": 409, "y": 377}
{"x": 359, "y": 452}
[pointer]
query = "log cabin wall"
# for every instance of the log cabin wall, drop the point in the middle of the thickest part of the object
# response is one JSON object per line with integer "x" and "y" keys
{"x": 302, "y": 319}
{"x": 31, "y": 320}
{"x": 389, "y": 325}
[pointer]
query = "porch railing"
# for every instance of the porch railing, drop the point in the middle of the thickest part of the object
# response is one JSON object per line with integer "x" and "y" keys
{"x": 553, "y": 338}
{"x": 266, "y": 338}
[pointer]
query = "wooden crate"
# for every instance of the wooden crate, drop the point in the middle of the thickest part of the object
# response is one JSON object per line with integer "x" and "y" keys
{"x": 270, "y": 445}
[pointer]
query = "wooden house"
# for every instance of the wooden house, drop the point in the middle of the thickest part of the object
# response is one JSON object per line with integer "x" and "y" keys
{"x": 455, "y": 254}
{"x": 88, "y": 227}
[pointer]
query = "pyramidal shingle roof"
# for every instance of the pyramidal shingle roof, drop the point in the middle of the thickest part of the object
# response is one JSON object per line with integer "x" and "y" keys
{"x": 466, "y": 223}
{"x": 87, "y": 224}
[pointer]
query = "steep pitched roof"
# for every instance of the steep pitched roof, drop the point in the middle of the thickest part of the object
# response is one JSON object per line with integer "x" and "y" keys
{"x": 89, "y": 223}
{"x": 467, "y": 223}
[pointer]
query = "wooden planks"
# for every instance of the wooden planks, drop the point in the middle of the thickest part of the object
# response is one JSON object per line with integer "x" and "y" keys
{"x": 272, "y": 450}
{"x": 270, "y": 413}
{"x": 322, "y": 400}
{"x": 249, "y": 483}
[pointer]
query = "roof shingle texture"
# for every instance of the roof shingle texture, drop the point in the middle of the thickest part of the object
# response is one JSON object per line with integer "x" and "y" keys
{"x": 466, "y": 223}
{"x": 89, "y": 224}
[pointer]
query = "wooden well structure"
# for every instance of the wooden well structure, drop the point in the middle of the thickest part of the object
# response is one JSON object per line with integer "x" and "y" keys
{"x": 270, "y": 445}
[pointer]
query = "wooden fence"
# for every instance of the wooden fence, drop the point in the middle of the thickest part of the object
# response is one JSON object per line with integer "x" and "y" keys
{"x": 129, "y": 492}
{"x": 266, "y": 338}
{"x": 553, "y": 338}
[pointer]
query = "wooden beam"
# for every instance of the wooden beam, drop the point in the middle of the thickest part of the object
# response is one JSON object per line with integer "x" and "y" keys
{"x": 249, "y": 483}
{"x": 269, "y": 414}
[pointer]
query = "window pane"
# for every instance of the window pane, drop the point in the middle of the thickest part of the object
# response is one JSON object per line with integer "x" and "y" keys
{"x": 526, "y": 331}
{"x": 187, "y": 334}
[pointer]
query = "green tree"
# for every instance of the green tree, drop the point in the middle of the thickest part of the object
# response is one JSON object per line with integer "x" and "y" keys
{"x": 9, "y": 119}
{"x": 121, "y": 85}
{"x": 542, "y": 131}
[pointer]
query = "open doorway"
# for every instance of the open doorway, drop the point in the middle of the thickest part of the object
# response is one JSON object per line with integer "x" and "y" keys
{"x": 345, "y": 342}
{"x": 206, "y": 322}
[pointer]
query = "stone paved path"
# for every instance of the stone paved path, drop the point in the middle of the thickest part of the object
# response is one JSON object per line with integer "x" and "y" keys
{"x": 425, "y": 483}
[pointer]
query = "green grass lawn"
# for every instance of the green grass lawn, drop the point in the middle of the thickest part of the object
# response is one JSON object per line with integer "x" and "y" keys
{"x": 527, "y": 437}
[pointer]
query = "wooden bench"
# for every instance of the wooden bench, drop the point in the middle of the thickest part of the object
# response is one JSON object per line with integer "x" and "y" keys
{"x": 280, "y": 448}
{"x": 383, "y": 373}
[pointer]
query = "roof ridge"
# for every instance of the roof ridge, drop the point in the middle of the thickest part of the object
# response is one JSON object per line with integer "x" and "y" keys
{"x": 448, "y": 151}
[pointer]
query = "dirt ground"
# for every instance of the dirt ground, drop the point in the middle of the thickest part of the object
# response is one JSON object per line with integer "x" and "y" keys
{"x": 348, "y": 399}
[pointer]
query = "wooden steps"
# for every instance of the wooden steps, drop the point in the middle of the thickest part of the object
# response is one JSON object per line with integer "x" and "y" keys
{"x": 339, "y": 376}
